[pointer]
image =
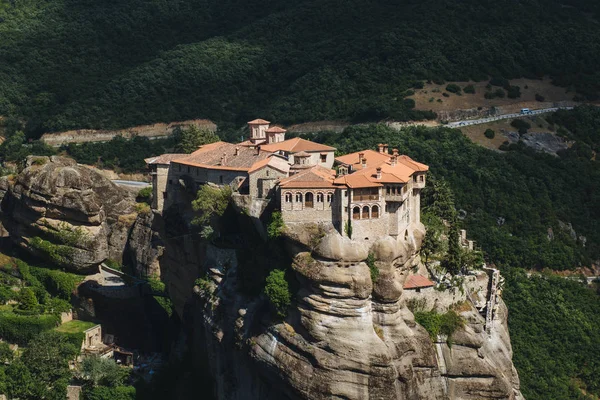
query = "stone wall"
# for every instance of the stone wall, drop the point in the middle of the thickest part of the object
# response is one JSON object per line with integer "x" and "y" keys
{"x": 297, "y": 210}
{"x": 262, "y": 182}
{"x": 315, "y": 159}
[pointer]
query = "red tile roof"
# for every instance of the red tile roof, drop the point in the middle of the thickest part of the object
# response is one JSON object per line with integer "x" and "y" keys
{"x": 417, "y": 282}
{"x": 164, "y": 159}
{"x": 316, "y": 177}
{"x": 373, "y": 158}
{"x": 222, "y": 155}
{"x": 296, "y": 145}
{"x": 258, "y": 122}
{"x": 276, "y": 129}
{"x": 275, "y": 162}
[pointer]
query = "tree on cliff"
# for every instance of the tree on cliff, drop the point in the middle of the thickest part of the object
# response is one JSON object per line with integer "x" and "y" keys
{"x": 210, "y": 201}
{"x": 189, "y": 139}
{"x": 453, "y": 262}
{"x": 277, "y": 290}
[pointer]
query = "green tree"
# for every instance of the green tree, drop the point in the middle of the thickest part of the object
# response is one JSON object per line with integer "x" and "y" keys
{"x": 189, "y": 139}
{"x": 27, "y": 299}
{"x": 432, "y": 243}
{"x": 453, "y": 261}
{"x": 102, "y": 371}
{"x": 110, "y": 393}
{"x": 276, "y": 226}
{"x": 489, "y": 133}
{"x": 277, "y": 290}
{"x": 211, "y": 202}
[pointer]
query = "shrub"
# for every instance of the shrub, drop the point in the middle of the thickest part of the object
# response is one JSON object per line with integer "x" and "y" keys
{"x": 278, "y": 292}
{"x": 27, "y": 300}
{"x": 372, "y": 267}
{"x": 453, "y": 88}
{"x": 418, "y": 85}
{"x": 445, "y": 94}
{"x": 145, "y": 195}
{"x": 276, "y": 226}
{"x": 211, "y": 201}
{"x": 57, "y": 283}
{"x": 142, "y": 208}
{"x": 21, "y": 329}
{"x": 436, "y": 324}
{"x": 348, "y": 228}
{"x": 539, "y": 97}
{"x": 502, "y": 82}
{"x": 489, "y": 133}
{"x": 521, "y": 125}
{"x": 469, "y": 89}
{"x": 514, "y": 92}
{"x": 110, "y": 393}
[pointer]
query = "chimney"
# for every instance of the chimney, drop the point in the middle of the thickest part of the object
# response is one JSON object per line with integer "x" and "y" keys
{"x": 385, "y": 148}
{"x": 361, "y": 156}
{"x": 378, "y": 172}
{"x": 380, "y": 147}
{"x": 393, "y": 161}
{"x": 223, "y": 158}
{"x": 256, "y": 150}
{"x": 237, "y": 151}
{"x": 364, "y": 162}
{"x": 395, "y": 152}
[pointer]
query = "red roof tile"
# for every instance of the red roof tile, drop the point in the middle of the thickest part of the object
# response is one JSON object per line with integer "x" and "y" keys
{"x": 296, "y": 145}
{"x": 417, "y": 281}
{"x": 276, "y": 129}
{"x": 258, "y": 122}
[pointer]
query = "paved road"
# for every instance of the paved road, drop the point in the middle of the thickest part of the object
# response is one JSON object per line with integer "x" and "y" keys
{"x": 458, "y": 124}
{"x": 137, "y": 184}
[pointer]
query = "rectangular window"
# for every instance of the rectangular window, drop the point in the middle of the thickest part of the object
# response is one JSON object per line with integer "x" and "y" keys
{"x": 220, "y": 178}
{"x": 323, "y": 158}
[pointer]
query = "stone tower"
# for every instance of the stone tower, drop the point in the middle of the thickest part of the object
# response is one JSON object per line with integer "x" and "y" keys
{"x": 258, "y": 130}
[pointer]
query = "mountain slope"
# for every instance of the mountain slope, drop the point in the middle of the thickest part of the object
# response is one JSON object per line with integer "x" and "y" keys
{"x": 77, "y": 63}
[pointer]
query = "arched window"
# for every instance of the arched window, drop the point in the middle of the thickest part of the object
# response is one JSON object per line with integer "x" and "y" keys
{"x": 298, "y": 197}
{"x": 308, "y": 200}
{"x": 288, "y": 197}
{"x": 329, "y": 197}
{"x": 319, "y": 197}
{"x": 365, "y": 212}
{"x": 375, "y": 212}
{"x": 356, "y": 213}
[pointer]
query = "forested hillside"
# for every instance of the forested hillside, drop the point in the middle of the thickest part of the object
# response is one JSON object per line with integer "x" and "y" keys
{"x": 82, "y": 64}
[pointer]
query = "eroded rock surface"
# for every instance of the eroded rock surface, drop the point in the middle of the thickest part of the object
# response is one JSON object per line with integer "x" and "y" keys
{"x": 67, "y": 213}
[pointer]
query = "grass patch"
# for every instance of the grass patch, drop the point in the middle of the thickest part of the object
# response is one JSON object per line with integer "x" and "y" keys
{"x": 74, "y": 326}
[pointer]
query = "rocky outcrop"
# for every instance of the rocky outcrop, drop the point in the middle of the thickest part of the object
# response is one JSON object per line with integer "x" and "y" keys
{"x": 67, "y": 213}
{"x": 346, "y": 337}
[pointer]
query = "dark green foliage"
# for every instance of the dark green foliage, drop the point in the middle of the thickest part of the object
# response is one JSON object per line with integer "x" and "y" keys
{"x": 489, "y": 133}
{"x": 453, "y": 88}
{"x": 72, "y": 65}
{"x": 539, "y": 97}
{"x": 122, "y": 154}
{"x": 276, "y": 226}
{"x": 102, "y": 371}
{"x": 210, "y": 202}
{"x": 27, "y": 300}
{"x": 348, "y": 228}
{"x": 501, "y": 82}
{"x": 554, "y": 333}
{"x": 57, "y": 283}
{"x": 498, "y": 93}
{"x": 439, "y": 324}
{"x": 432, "y": 243}
{"x": 581, "y": 125}
{"x": 453, "y": 260}
{"x": 370, "y": 261}
{"x": 22, "y": 328}
{"x": 189, "y": 139}
{"x": 110, "y": 393}
{"x": 145, "y": 195}
{"x": 513, "y": 92}
{"x": 469, "y": 89}
{"x": 277, "y": 291}
{"x": 521, "y": 125}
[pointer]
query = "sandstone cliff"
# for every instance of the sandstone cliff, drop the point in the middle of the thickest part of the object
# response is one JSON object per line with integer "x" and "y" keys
{"x": 66, "y": 213}
{"x": 345, "y": 337}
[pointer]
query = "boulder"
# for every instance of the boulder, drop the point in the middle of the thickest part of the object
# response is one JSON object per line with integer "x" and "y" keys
{"x": 66, "y": 213}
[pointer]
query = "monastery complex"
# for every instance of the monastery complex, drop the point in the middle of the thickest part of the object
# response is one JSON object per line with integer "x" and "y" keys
{"x": 369, "y": 193}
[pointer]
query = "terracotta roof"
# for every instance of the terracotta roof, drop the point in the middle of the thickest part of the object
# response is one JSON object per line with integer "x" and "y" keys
{"x": 163, "y": 159}
{"x": 276, "y": 129}
{"x": 275, "y": 162}
{"x": 222, "y": 155}
{"x": 373, "y": 158}
{"x": 258, "y": 122}
{"x": 316, "y": 177}
{"x": 417, "y": 281}
{"x": 409, "y": 162}
{"x": 356, "y": 180}
{"x": 296, "y": 145}
{"x": 302, "y": 154}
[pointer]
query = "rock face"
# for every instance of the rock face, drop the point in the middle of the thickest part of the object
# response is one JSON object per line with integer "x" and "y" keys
{"x": 67, "y": 213}
{"x": 345, "y": 337}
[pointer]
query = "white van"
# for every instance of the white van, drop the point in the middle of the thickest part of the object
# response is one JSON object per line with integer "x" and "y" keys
{"x": 525, "y": 111}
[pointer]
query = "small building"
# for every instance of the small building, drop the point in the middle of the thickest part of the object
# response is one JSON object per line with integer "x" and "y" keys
{"x": 418, "y": 283}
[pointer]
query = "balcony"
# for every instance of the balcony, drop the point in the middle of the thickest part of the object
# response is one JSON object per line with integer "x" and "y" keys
{"x": 365, "y": 197}
{"x": 418, "y": 181}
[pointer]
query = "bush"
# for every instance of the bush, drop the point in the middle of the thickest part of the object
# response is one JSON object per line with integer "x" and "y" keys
{"x": 21, "y": 329}
{"x": 145, "y": 195}
{"x": 521, "y": 125}
{"x": 453, "y": 88}
{"x": 109, "y": 393}
{"x": 211, "y": 201}
{"x": 514, "y": 92}
{"x": 498, "y": 93}
{"x": 469, "y": 89}
{"x": 436, "y": 324}
{"x": 27, "y": 300}
{"x": 445, "y": 94}
{"x": 372, "y": 267}
{"x": 278, "y": 292}
{"x": 57, "y": 283}
{"x": 539, "y": 97}
{"x": 502, "y": 82}
{"x": 489, "y": 133}
{"x": 276, "y": 226}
